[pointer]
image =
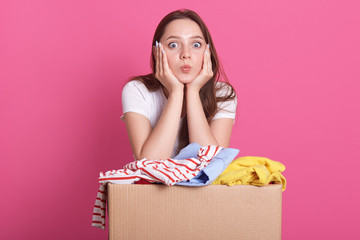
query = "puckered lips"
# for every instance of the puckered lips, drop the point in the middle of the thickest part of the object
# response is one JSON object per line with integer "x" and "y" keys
{"x": 186, "y": 68}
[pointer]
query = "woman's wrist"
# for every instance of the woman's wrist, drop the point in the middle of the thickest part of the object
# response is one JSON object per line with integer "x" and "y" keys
{"x": 177, "y": 90}
{"x": 192, "y": 90}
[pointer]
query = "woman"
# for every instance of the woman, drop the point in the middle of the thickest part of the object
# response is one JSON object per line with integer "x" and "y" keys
{"x": 181, "y": 101}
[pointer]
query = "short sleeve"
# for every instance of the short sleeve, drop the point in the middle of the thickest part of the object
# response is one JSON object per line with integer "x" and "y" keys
{"x": 227, "y": 109}
{"x": 135, "y": 99}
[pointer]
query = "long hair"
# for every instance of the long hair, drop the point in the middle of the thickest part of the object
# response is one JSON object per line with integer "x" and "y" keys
{"x": 207, "y": 93}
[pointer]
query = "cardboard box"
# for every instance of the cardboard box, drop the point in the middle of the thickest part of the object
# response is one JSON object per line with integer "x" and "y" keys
{"x": 154, "y": 211}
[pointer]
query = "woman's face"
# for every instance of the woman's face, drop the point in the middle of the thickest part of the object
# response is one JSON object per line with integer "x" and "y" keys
{"x": 184, "y": 45}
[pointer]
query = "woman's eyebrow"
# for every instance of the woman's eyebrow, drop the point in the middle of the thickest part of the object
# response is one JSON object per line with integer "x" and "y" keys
{"x": 197, "y": 36}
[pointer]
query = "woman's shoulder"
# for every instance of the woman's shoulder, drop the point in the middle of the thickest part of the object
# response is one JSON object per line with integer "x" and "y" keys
{"x": 137, "y": 87}
{"x": 137, "y": 83}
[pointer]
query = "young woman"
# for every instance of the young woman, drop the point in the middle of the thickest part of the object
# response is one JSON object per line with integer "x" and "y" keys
{"x": 182, "y": 100}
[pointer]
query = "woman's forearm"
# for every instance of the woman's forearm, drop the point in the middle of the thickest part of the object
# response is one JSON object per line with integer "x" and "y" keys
{"x": 161, "y": 141}
{"x": 199, "y": 129}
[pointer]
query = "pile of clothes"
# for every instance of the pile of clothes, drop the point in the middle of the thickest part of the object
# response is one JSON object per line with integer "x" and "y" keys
{"x": 193, "y": 166}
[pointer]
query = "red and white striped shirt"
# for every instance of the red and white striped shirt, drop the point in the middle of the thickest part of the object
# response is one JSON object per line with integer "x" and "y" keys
{"x": 169, "y": 172}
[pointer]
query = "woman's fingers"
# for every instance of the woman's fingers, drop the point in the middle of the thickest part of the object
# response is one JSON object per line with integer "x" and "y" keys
{"x": 205, "y": 67}
{"x": 206, "y": 62}
{"x": 166, "y": 68}
{"x": 206, "y": 72}
{"x": 208, "y": 59}
{"x": 157, "y": 69}
{"x": 165, "y": 62}
{"x": 161, "y": 72}
{"x": 159, "y": 61}
{"x": 165, "y": 65}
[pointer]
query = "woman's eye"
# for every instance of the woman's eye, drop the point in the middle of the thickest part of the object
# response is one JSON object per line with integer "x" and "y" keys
{"x": 197, "y": 45}
{"x": 173, "y": 45}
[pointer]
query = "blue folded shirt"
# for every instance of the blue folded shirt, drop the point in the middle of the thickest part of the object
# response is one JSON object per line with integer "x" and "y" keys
{"x": 208, "y": 174}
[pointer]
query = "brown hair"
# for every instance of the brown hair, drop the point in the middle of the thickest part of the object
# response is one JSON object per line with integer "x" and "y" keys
{"x": 207, "y": 93}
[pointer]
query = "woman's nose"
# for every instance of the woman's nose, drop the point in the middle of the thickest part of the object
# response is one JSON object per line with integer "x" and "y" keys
{"x": 185, "y": 53}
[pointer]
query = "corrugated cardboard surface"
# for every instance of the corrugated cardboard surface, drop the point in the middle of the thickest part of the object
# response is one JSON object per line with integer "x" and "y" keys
{"x": 154, "y": 211}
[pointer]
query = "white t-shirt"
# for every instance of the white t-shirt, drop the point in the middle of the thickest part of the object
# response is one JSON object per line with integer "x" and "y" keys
{"x": 137, "y": 98}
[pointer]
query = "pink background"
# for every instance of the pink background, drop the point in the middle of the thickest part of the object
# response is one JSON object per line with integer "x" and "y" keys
{"x": 294, "y": 64}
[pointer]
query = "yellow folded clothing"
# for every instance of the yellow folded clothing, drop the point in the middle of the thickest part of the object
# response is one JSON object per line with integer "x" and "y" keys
{"x": 249, "y": 170}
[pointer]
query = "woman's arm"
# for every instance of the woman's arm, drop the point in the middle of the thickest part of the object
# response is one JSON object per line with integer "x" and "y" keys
{"x": 158, "y": 143}
{"x": 219, "y": 131}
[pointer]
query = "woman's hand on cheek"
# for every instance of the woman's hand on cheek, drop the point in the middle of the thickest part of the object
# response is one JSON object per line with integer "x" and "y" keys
{"x": 205, "y": 73}
{"x": 163, "y": 71}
